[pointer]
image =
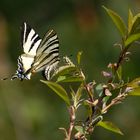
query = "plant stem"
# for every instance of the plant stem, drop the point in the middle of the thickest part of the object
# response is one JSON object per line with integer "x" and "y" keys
{"x": 72, "y": 122}
{"x": 116, "y": 100}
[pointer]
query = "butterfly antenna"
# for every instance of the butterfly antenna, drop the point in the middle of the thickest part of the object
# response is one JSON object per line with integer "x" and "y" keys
{"x": 14, "y": 76}
{"x": 4, "y": 78}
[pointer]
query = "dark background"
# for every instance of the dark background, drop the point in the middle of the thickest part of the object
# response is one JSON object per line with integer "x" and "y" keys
{"x": 29, "y": 110}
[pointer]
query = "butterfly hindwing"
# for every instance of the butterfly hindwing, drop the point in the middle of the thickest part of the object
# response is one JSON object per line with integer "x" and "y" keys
{"x": 49, "y": 43}
{"x": 47, "y": 56}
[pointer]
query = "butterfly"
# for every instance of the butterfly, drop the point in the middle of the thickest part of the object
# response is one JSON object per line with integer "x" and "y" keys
{"x": 39, "y": 54}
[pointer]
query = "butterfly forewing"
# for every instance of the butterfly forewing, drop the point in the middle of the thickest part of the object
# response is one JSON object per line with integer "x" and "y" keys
{"x": 31, "y": 40}
{"x": 30, "y": 44}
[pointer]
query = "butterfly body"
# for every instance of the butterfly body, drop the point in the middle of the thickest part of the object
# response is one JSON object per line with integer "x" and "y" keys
{"x": 39, "y": 55}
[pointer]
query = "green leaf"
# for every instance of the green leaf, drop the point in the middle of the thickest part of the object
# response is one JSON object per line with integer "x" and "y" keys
{"x": 110, "y": 126}
{"x": 117, "y": 21}
{"x": 59, "y": 90}
{"x": 79, "y": 129}
{"x": 136, "y": 24}
{"x": 63, "y": 70}
{"x": 105, "y": 99}
{"x": 134, "y": 83}
{"x": 76, "y": 97}
{"x": 130, "y": 20}
{"x": 99, "y": 89}
{"x": 119, "y": 72}
{"x": 133, "y": 87}
{"x": 79, "y": 93}
{"x": 61, "y": 78}
{"x": 70, "y": 79}
{"x": 79, "y": 57}
{"x": 132, "y": 38}
{"x": 134, "y": 92}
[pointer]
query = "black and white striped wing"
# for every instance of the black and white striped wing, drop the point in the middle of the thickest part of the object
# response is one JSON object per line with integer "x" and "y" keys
{"x": 47, "y": 56}
{"x": 30, "y": 40}
{"x": 30, "y": 44}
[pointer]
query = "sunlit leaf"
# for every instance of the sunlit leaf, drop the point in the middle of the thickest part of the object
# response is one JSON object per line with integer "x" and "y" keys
{"x": 134, "y": 83}
{"x": 79, "y": 93}
{"x": 132, "y": 38}
{"x": 117, "y": 21}
{"x": 76, "y": 97}
{"x": 72, "y": 94}
{"x": 59, "y": 90}
{"x": 70, "y": 79}
{"x": 79, "y": 129}
{"x": 135, "y": 92}
{"x": 119, "y": 72}
{"x": 99, "y": 89}
{"x": 133, "y": 87}
{"x": 61, "y": 78}
{"x": 105, "y": 99}
{"x": 136, "y": 24}
{"x": 110, "y": 126}
{"x": 79, "y": 57}
{"x": 67, "y": 69}
{"x": 130, "y": 20}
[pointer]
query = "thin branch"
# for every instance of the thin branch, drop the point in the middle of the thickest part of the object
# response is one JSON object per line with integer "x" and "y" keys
{"x": 114, "y": 101}
{"x": 72, "y": 122}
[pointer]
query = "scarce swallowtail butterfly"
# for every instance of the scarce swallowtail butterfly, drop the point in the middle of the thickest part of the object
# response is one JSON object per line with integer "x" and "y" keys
{"x": 39, "y": 54}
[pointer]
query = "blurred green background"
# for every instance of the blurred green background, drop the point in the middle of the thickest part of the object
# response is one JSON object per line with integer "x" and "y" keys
{"x": 31, "y": 111}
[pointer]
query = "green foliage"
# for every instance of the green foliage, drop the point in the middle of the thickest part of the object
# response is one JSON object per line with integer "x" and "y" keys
{"x": 132, "y": 38}
{"x": 131, "y": 33}
{"x": 133, "y": 87}
{"x": 59, "y": 90}
{"x": 76, "y": 97}
{"x": 117, "y": 21}
{"x": 27, "y": 108}
{"x": 119, "y": 73}
{"x": 130, "y": 21}
{"x": 134, "y": 83}
{"x": 134, "y": 28}
{"x": 110, "y": 126}
{"x": 69, "y": 79}
{"x": 135, "y": 92}
{"x": 79, "y": 129}
{"x": 96, "y": 97}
